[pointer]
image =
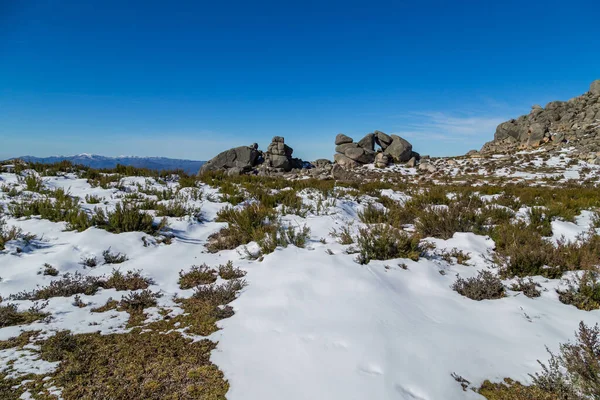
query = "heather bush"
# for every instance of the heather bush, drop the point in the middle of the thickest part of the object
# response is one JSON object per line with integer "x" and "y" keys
{"x": 113, "y": 258}
{"x": 197, "y": 275}
{"x": 528, "y": 287}
{"x": 383, "y": 242}
{"x": 67, "y": 286}
{"x": 131, "y": 280}
{"x": 228, "y": 271}
{"x": 10, "y": 315}
{"x": 583, "y": 291}
{"x": 251, "y": 223}
{"x": 485, "y": 286}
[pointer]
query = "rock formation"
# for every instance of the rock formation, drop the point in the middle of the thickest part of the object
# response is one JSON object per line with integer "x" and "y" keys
{"x": 576, "y": 122}
{"x": 239, "y": 159}
{"x": 392, "y": 149}
{"x": 279, "y": 156}
{"x": 245, "y": 159}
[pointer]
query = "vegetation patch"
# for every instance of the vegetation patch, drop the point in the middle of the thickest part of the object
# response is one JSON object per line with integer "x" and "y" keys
{"x": 383, "y": 242}
{"x": 247, "y": 224}
{"x": 572, "y": 374}
{"x": 528, "y": 287}
{"x": 10, "y": 315}
{"x": 197, "y": 275}
{"x": 228, "y": 271}
{"x": 113, "y": 258}
{"x": 485, "y": 286}
{"x": 583, "y": 292}
{"x": 67, "y": 286}
{"x": 139, "y": 365}
{"x": 131, "y": 280}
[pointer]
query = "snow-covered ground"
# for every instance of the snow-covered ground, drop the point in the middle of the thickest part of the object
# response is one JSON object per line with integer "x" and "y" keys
{"x": 312, "y": 322}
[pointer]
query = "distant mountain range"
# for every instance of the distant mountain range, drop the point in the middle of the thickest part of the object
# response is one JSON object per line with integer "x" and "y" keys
{"x": 96, "y": 161}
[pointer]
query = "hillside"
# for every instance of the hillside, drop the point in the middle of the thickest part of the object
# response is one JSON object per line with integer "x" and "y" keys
{"x": 97, "y": 161}
{"x": 573, "y": 123}
{"x": 402, "y": 284}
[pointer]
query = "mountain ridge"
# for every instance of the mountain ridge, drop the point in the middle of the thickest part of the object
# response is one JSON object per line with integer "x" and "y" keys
{"x": 99, "y": 161}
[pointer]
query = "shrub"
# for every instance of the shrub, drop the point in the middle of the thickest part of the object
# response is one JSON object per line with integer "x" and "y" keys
{"x": 126, "y": 217}
{"x": 247, "y": 224}
{"x": 228, "y": 271}
{"x": 67, "y": 286}
{"x": 176, "y": 209}
{"x": 113, "y": 258}
{"x": 485, "y": 286}
{"x": 49, "y": 270}
{"x": 136, "y": 301}
{"x": 62, "y": 208}
{"x": 92, "y": 199}
{"x": 197, "y": 275}
{"x": 140, "y": 365}
{"x": 10, "y": 315}
{"x": 12, "y": 233}
{"x": 34, "y": 183}
{"x": 575, "y": 372}
{"x": 221, "y": 294}
{"x": 523, "y": 251}
{"x": 344, "y": 236}
{"x": 455, "y": 254}
{"x": 382, "y": 242}
{"x": 132, "y": 280}
{"x": 282, "y": 237}
{"x": 540, "y": 221}
{"x": 583, "y": 292}
{"x": 443, "y": 222}
{"x": 511, "y": 390}
{"x": 529, "y": 287}
{"x": 89, "y": 262}
{"x": 373, "y": 215}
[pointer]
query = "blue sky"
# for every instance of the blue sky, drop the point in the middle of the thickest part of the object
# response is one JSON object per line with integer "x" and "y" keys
{"x": 189, "y": 79}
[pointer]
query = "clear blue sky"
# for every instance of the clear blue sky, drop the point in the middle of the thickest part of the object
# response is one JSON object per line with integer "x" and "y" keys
{"x": 189, "y": 79}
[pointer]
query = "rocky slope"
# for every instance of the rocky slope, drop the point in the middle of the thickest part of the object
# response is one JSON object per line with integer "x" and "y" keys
{"x": 572, "y": 123}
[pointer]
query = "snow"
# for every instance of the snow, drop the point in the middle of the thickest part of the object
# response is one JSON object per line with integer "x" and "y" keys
{"x": 312, "y": 323}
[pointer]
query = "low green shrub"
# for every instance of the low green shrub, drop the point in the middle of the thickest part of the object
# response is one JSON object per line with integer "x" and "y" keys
{"x": 485, "y": 286}
{"x": 583, "y": 292}
{"x": 113, "y": 258}
{"x": 251, "y": 223}
{"x": 10, "y": 315}
{"x": 131, "y": 280}
{"x": 228, "y": 271}
{"x": 383, "y": 242}
{"x": 197, "y": 275}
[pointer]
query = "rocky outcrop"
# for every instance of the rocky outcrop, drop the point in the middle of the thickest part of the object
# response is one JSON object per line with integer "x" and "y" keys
{"x": 245, "y": 159}
{"x": 576, "y": 122}
{"x": 392, "y": 149}
{"x": 399, "y": 150}
{"x": 279, "y": 154}
{"x": 239, "y": 159}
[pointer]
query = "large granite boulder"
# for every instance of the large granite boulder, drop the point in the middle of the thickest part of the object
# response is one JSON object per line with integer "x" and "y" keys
{"x": 393, "y": 148}
{"x": 243, "y": 158}
{"x": 399, "y": 150}
{"x": 279, "y": 155}
{"x": 368, "y": 142}
{"x": 341, "y": 139}
{"x": 382, "y": 139}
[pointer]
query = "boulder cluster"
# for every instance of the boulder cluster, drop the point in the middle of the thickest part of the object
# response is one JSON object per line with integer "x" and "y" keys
{"x": 245, "y": 159}
{"x": 392, "y": 148}
{"x": 279, "y": 156}
{"x": 576, "y": 122}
